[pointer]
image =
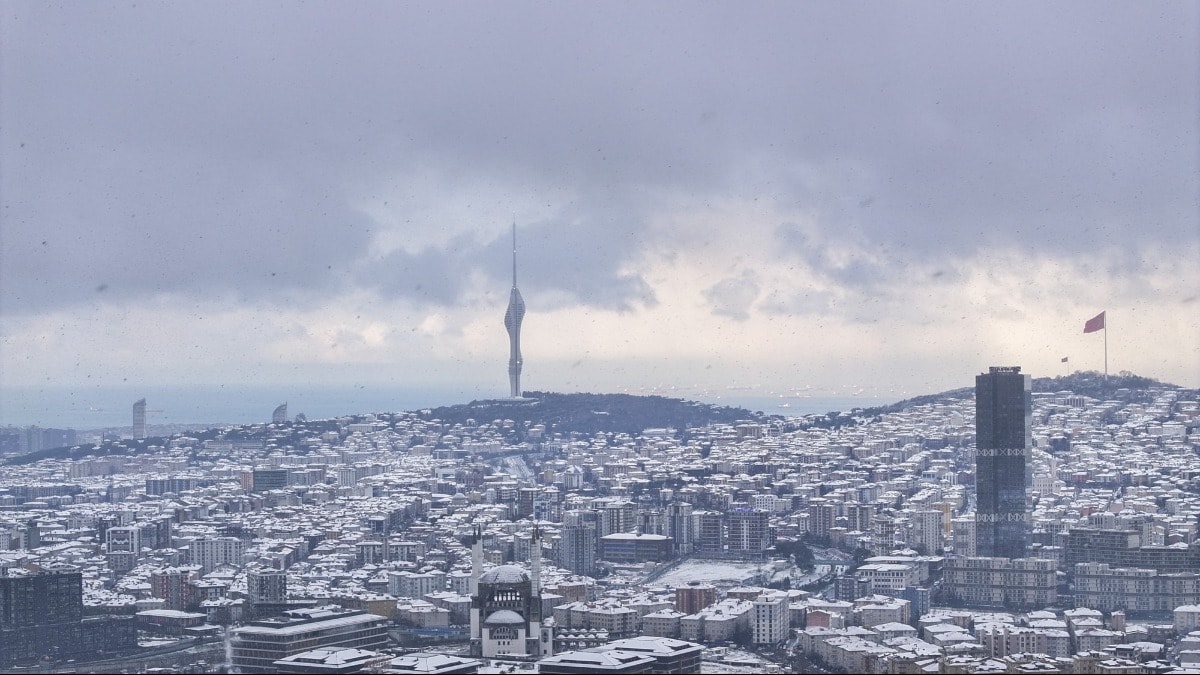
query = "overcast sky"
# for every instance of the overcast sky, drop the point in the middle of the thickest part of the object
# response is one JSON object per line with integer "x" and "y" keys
{"x": 822, "y": 197}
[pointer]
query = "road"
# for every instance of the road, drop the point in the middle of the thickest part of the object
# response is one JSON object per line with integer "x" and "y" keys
{"x": 515, "y": 466}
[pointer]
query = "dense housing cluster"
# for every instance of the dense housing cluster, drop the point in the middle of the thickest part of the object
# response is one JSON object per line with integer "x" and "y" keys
{"x": 394, "y": 541}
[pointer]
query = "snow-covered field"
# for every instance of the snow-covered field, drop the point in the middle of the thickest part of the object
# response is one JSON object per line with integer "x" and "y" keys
{"x": 710, "y": 572}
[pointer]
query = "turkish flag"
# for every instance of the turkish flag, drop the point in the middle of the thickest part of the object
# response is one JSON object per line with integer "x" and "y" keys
{"x": 1094, "y": 324}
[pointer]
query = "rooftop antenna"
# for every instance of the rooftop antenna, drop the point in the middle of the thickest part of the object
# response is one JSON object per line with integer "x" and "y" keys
{"x": 514, "y": 235}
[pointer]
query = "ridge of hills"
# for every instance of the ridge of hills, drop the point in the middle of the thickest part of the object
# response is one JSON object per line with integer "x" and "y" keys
{"x": 588, "y": 413}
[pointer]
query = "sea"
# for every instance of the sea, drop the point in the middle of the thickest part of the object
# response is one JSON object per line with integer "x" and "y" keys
{"x": 108, "y": 407}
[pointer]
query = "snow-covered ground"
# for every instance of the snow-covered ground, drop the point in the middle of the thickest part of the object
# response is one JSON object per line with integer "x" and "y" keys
{"x": 724, "y": 661}
{"x": 711, "y": 572}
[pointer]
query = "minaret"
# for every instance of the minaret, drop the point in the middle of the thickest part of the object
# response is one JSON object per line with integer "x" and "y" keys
{"x": 538, "y": 643}
{"x": 535, "y": 562}
{"x": 512, "y": 322}
{"x": 476, "y": 568}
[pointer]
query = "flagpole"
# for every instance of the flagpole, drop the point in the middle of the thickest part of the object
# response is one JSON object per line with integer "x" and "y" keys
{"x": 1100, "y": 322}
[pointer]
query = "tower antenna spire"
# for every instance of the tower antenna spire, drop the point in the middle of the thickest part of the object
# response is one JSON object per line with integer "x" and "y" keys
{"x": 514, "y": 233}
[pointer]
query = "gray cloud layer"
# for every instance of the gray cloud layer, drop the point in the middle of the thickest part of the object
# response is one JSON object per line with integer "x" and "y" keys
{"x": 206, "y": 149}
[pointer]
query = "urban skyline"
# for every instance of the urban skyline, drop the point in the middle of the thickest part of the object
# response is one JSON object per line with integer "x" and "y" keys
{"x": 296, "y": 211}
{"x": 795, "y": 543}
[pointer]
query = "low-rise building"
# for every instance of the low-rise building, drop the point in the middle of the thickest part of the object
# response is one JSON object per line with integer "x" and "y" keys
{"x": 169, "y": 621}
{"x": 259, "y": 644}
{"x": 630, "y": 547}
{"x": 1139, "y": 590}
{"x": 670, "y": 656}
{"x": 604, "y": 661}
{"x": 333, "y": 661}
{"x": 664, "y": 623}
{"x": 1187, "y": 618}
{"x": 722, "y": 621}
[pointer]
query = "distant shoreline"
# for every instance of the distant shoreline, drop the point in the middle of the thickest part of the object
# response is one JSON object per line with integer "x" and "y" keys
{"x": 110, "y": 408}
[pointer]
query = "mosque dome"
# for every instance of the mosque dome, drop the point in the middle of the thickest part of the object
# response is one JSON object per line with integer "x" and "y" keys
{"x": 503, "y": 617}
{"x": 504, "y": 574}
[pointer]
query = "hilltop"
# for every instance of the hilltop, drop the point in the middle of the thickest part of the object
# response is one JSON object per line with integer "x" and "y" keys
{"x": 594, "y": 413}
{"x": 1122, "y": 386}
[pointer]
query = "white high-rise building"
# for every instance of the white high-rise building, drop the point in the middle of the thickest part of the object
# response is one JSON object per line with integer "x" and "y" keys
{"x": 211, "y": 552}
{"x": 926, "y": 531}
{"x": 769, "y": 619}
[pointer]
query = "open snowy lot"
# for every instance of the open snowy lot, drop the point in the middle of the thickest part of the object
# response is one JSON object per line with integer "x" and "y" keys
{"x": 711, "y": 572}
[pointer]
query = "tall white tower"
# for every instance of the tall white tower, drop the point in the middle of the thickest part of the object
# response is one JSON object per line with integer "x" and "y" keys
{"x": 512, "y": 322}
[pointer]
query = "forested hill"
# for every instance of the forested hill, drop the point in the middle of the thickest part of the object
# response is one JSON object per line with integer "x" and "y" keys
{"x": 593, "y": 413}
{"x": 1093, "y": 383}
{"x": 1124, "y": 385}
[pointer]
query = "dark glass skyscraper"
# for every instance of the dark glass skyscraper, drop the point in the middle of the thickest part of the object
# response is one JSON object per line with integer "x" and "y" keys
{"x": 1003, "y": 466}
{"x": 512, "y": 322}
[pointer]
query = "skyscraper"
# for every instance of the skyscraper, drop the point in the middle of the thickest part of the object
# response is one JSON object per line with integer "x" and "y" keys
{"x": 512, "y": 322}
{"x": 139, "y": 418}
{"x": 1003, "y": 442}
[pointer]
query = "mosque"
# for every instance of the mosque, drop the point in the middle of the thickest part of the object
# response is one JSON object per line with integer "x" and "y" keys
{"x": 506, "y": 607}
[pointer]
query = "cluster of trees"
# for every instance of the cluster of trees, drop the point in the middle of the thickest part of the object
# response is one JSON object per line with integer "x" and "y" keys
{"x": 595, "y": 413}
{"x": 1084, "y": 382}
{"x": 795, "y": 550}
{"x": 1096, "y": 385}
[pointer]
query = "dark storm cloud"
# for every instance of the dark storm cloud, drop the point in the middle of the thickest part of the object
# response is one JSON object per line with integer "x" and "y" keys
{"x": 864, "y": 267}
{"x": 143, "y": 225}
{"x": 200, "y": 148}
{"x": 733, "y": 296}
{"x": 579, "y": 258}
